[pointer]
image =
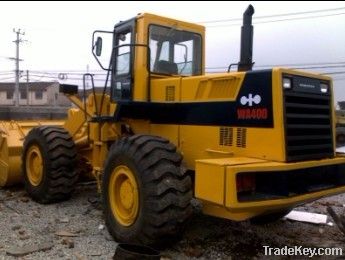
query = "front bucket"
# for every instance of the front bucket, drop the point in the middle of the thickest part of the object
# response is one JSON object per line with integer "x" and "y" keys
{"x": 12, "y": 135}
{"x": 11, "y": 142}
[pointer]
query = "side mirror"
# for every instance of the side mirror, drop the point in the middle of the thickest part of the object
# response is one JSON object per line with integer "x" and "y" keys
{"x": 98, "y": 46}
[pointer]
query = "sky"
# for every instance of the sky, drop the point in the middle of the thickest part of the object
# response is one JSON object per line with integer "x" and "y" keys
{"x": 58, "y": 34}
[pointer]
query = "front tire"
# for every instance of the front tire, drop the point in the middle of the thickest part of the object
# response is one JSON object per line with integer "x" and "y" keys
{"x": 49, "y": 159}
{"x": 146, "y": 191}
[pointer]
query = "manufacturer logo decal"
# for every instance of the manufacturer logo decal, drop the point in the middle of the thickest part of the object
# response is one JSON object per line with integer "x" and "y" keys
{"x": 251, "y": 113}
{"x": 250, "y": 100}
{"x": 306, "y": 85}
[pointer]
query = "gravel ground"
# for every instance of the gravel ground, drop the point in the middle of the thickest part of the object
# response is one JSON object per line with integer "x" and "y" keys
{"x": 75, "y": 230}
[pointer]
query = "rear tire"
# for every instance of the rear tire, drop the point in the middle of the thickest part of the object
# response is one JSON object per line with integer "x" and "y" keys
{"x": 155, "y": 210}
{"x": 49, "y": 159}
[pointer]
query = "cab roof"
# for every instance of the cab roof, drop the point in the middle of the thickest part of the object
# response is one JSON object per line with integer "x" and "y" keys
{"x": 171, "y": 21}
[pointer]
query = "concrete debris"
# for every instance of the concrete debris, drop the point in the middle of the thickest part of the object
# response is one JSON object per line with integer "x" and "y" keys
{"x": 309, "y": 217}
{"x": 101, "y": 227}
{"x": 68, "y": 242}
{"x": 24, "y": 237}
{"x": 16, "y": 227}
{"x": 79, "y": 256}
{"x": 206, "y": 237}
{"x": 28, "y": 249}
{"x": 64, "y": 220}
{"x": 12, "y": 208}
{"x": 64, "y": 233}
{"x": 96, "y": 253}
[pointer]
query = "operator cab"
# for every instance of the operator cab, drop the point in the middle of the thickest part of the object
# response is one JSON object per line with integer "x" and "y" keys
{"x": 150, "y": 47}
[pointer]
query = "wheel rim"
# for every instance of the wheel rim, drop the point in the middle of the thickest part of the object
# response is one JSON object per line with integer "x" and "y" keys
{"x": 34, "y": 165}
{"x": 123, "y": 195}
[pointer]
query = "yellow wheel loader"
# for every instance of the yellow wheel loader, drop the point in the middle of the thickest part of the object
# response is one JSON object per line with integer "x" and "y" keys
{"x": 250, "y": 144}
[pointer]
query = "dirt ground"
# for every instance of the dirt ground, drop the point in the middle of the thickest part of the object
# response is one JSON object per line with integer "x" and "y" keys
{"x": 75, "y": 230}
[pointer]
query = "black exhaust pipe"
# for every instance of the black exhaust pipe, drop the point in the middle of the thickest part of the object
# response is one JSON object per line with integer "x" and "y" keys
{"x": 246, "y": 61}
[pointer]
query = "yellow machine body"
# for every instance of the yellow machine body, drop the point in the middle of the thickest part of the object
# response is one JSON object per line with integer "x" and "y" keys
{"x": 215, "y": 185}
{"x": 253, "y": 141}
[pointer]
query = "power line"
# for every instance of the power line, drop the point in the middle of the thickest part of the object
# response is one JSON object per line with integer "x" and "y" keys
{"x": 340, "y": 63}
{"x": 300, "y": 18}
{"x": 333, "y": 73}
{"x": 275, "y": 15}
{"x": 303, "y": 64}
{"x": 7, "y": 78}
{"x": 321, "y": 67}
{"x": 53, "y": 77}
{"x": 6, "y": 73}
{"x": 280, "y": 20}
{"x": 67, "y": 72}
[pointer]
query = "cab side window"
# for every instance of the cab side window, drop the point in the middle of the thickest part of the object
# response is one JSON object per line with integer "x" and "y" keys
{"x": 123, "y": 54}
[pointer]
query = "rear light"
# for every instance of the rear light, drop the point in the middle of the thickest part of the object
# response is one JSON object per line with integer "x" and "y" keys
{"x": 245, "y": 182}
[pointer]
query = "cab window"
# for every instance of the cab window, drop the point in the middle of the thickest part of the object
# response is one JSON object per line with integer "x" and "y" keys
{"x": 123, "y": 54}
{"x": 174, "y": 52}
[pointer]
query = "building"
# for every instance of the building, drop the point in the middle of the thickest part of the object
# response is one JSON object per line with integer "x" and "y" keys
{"x": 33, "y": 94}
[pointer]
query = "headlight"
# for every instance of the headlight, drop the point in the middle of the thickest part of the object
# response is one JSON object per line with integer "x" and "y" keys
{"x": 287, "y": 83}
{"x": 324, "y": 88}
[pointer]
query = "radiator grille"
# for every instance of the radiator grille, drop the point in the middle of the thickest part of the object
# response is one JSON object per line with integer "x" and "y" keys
{"x": 170, "y": 93}
{"x": 308, "y": 126}
{"x": 241, "y": 139}
{"x": 226, "y": 136}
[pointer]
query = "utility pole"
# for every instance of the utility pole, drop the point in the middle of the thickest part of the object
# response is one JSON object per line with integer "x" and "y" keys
{"x": 17, "y": 72}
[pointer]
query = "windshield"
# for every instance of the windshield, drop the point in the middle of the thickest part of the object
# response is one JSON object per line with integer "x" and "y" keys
{"x": 174, "y": 51}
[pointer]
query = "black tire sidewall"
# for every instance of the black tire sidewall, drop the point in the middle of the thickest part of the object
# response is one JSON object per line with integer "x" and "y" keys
{"x": 123, "y": 233}
{"x": 35, "y": 138}
{"x": 164, "y": 190}
{"x": 58, "y": 158}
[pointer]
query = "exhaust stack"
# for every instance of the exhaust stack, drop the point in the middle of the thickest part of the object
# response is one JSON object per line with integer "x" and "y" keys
{"x": 246, "y": 59}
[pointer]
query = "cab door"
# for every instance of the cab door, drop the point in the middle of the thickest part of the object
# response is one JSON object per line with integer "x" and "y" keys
{"x": 123, "y": 61}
